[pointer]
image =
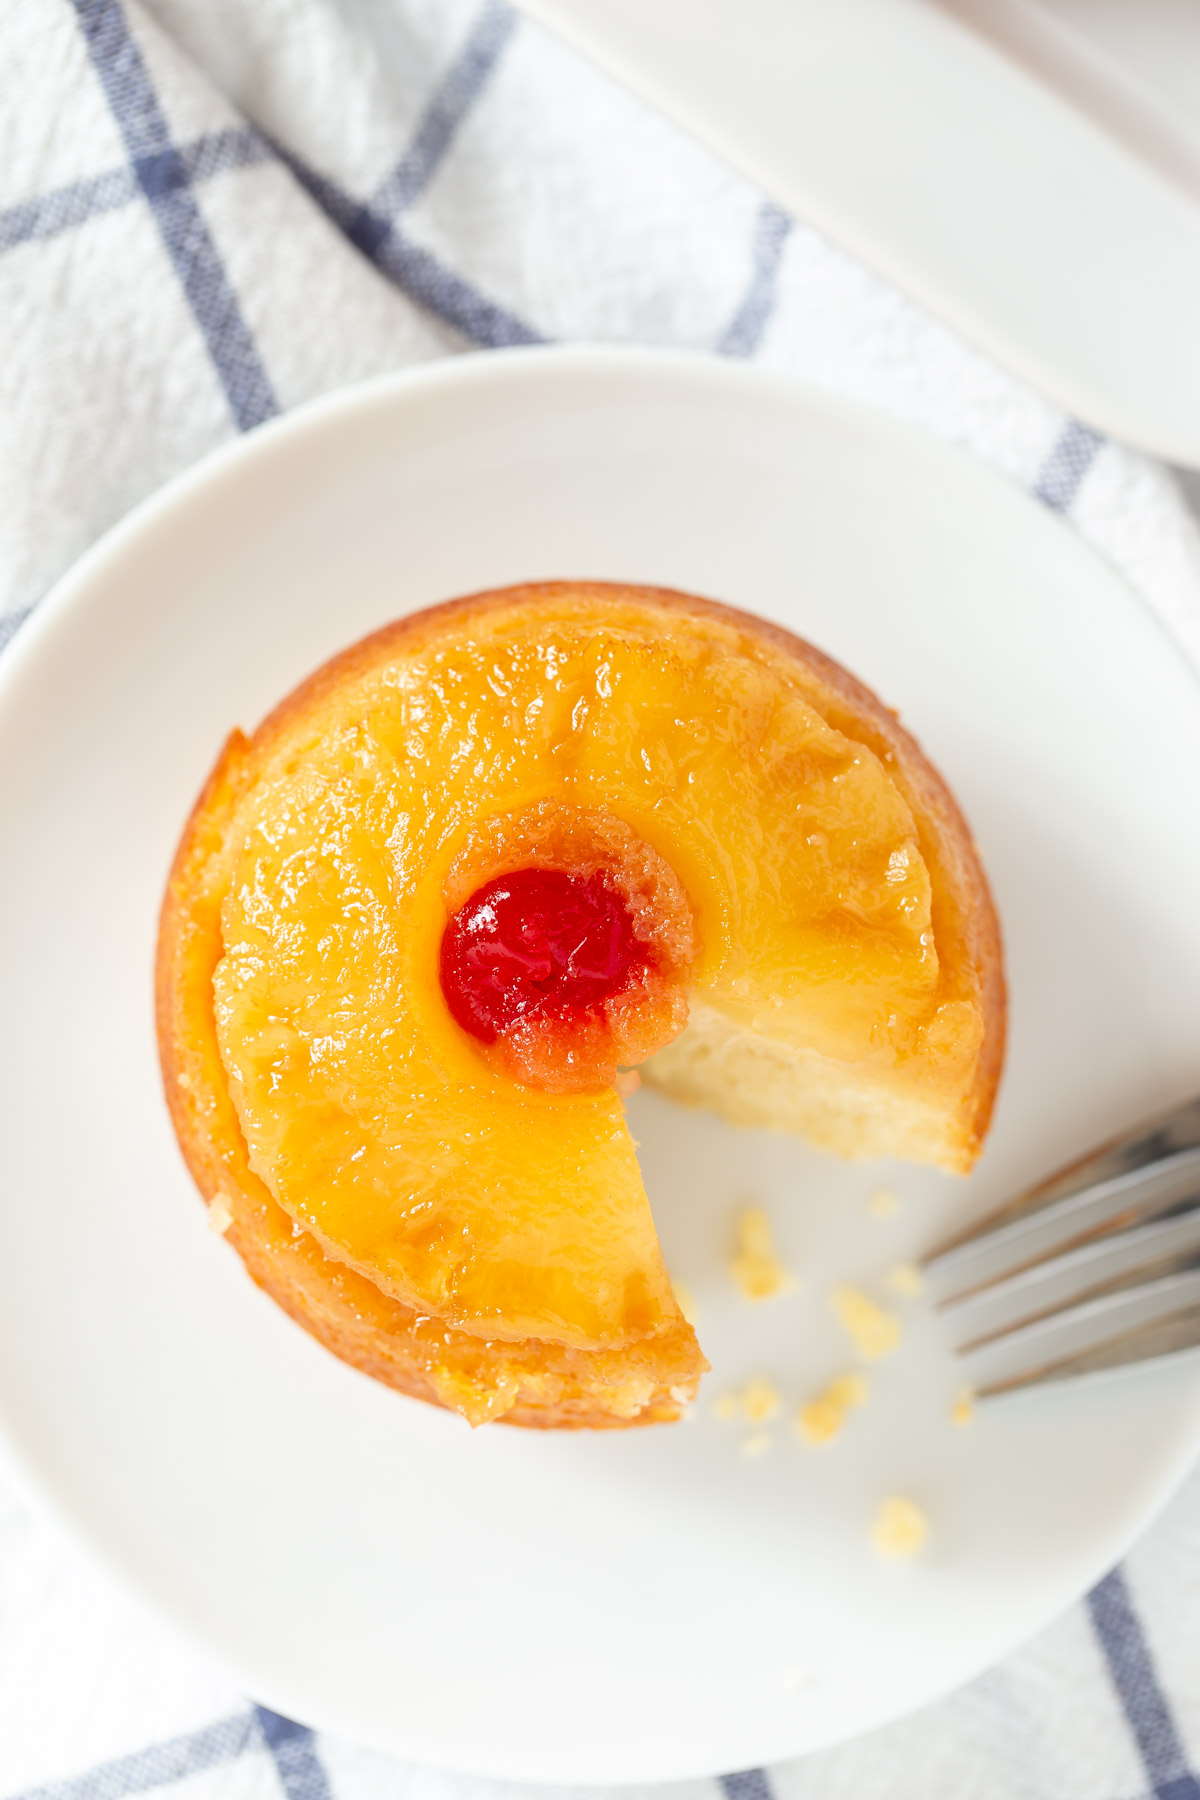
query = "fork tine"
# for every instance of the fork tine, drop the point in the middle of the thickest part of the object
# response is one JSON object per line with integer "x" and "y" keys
{"x": 1023, "y": 1240}
{"x": 1069, "y": 1342}
{"x": 1096, "y": 1267}
{"x": 1153, "y": 1141}
{"x": 1124, "y": 1260}
{"x": 1176, "y": 1329}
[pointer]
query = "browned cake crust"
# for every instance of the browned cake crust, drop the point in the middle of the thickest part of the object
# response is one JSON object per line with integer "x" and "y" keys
{"x": 555, "y": 1386}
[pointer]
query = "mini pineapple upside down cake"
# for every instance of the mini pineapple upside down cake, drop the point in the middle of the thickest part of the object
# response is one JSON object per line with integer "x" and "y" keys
{"x": 475, "y": 866}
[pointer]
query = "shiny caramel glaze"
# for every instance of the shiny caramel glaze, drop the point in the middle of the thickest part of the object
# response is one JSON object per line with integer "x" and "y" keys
{"x": 581, "y": 1053}
{"x": 444, "y": 1202}
{"x": 532, "y": 1383}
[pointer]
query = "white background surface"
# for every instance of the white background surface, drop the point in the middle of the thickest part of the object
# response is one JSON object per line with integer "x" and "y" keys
{"x": 344, "y": 1547}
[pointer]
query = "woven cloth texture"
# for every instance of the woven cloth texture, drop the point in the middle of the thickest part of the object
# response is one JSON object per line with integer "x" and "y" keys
{"x": 213, "y": 210}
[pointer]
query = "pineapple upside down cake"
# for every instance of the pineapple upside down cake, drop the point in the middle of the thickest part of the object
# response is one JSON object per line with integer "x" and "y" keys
{"x": 479, "y": 865}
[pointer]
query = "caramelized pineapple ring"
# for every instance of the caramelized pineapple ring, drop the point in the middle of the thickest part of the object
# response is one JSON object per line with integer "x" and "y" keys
{"x": 780, "y": 866}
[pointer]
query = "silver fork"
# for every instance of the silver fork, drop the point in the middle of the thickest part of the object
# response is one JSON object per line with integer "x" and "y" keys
{"x": 1094, "y": 1268}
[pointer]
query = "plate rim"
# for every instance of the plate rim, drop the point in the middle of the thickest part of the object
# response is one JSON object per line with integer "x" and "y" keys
{"x": 464, "y": 368}
{"x": 70, "y": 595}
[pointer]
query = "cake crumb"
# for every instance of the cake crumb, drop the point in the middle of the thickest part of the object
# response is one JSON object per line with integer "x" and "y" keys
{"x": 963, "y": 1410}
{"x": 628, "y": 1082}
{"x": 686, "y": 1302}
{"x": 760, "y": 1400}
{"x": 184, "y": 1081}
{"x": 220, "y": 1214}
{"x": 883, "y": 1203}
{"x": 907, "y": 1280}
{"x": 755, "y": 1446}
{"x": 820, "y": 1420}
{"x": 875, "y": 1332}
{"x": 757, "y": 1402}
{"x": 755, "y": 1268}
{"x": 851, "y": 1389}
{"x": 900, "y": 1529}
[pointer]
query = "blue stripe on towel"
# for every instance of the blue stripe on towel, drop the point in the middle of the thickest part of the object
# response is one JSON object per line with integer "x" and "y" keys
{"x": 744, "y": 332}
{"x": 165, "y": 173}
{"x": 747, "y": 1784}
{"x": 415, "y": 270}
{"x": 225, "y": 1741}
{"x": 10, "y": 624}
{"x": 1134, "y": 1676}
{"x": 432, "y": 285}
{"x": 452, "y": 100}
{"x": 294, "y": 1748}
{"x": 233, "y": 147}
{"x": 1070, "y": 458}
{"x": 373, "y": 226}
{"x": 65, "y": 208}
{"x": 165, "y": 180}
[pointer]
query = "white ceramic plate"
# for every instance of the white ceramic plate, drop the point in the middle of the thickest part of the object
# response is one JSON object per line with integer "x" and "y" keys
{"x": 593, "y": 1607}
{"x": 1029, "y": 170}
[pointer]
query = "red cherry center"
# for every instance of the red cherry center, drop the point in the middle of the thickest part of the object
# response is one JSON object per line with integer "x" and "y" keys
{"x": 535, "y": 944}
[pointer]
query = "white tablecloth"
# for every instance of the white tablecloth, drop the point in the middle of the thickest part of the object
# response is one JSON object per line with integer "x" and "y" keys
{"x": 211, "y": 210}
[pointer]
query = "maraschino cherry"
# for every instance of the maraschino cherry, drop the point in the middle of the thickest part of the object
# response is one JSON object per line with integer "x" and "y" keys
{"x": 537, "y": 944}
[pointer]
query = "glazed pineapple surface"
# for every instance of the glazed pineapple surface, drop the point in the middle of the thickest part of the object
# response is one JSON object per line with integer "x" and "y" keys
{"x": 498, "y": 850}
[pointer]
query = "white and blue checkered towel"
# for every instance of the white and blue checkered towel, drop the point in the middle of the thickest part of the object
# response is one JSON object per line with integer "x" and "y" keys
{"x": 211, "y": 210}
